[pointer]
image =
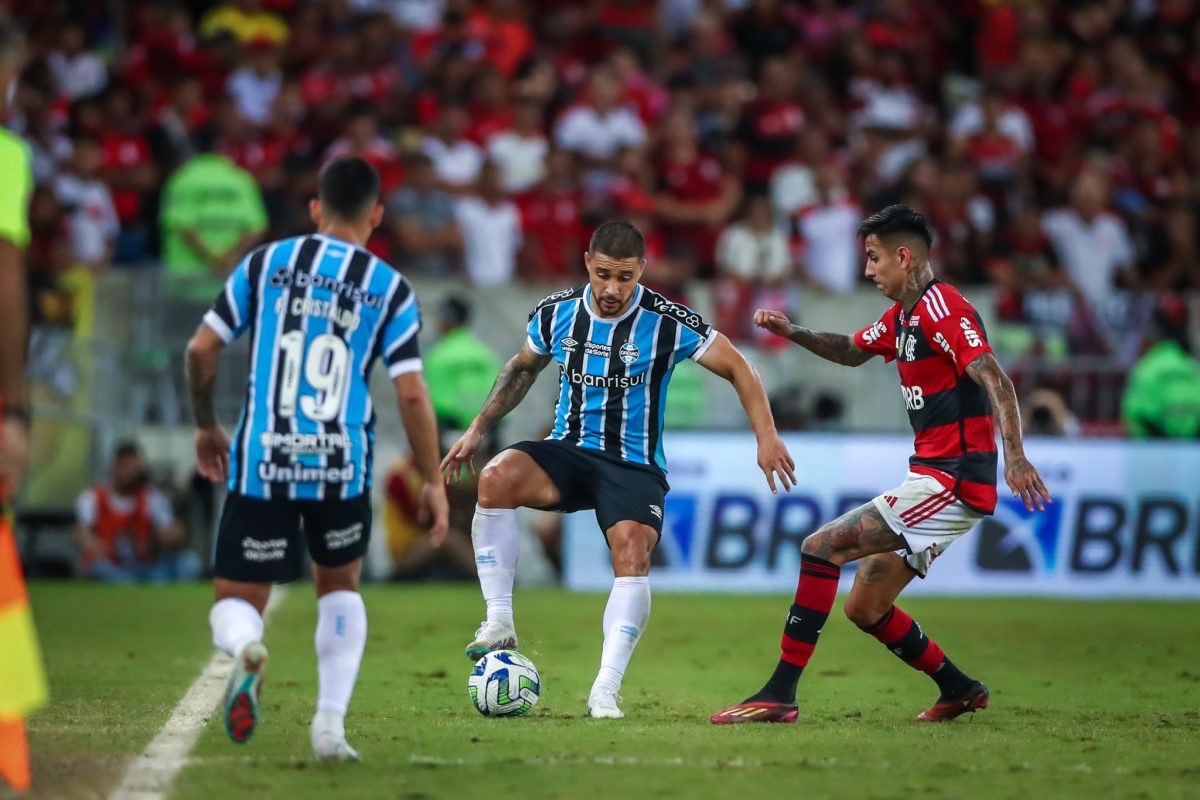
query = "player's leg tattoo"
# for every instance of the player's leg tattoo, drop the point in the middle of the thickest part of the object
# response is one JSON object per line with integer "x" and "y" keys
{"x": 855, "y": 534}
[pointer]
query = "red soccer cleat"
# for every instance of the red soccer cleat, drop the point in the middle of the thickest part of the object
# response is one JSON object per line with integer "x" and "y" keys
{"x": 944, "y": 711}
{"x": 756, "y": 712}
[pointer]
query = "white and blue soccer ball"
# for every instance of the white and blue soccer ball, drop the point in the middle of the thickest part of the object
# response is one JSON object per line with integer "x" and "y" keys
{"x": 504, "y": 684}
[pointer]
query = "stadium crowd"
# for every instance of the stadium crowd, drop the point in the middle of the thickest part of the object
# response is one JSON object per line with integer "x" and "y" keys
{"x": 1051, "y": 143}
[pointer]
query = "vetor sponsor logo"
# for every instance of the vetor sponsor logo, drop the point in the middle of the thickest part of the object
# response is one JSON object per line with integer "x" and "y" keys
{"x": 299, "y": 473}
{"x": 681, "y": 313}
{"x": 602, "y": 381}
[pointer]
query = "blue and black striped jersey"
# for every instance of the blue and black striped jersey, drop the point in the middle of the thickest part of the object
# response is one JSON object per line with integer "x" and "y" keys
{"x": 614, "y": 372}
{"x": 320, "y": 311}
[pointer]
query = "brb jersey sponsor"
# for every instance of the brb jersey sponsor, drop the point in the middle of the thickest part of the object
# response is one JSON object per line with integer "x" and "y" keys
{"x": 320, "y": 311}
{"x": 949, "y": 413}
{"x": 614, "y": 372}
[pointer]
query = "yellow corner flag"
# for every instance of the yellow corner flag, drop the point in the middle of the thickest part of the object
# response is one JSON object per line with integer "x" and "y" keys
{"x": 22, "y": 682}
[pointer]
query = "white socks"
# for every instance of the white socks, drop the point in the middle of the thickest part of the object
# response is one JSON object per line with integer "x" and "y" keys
{"x": 235, "y": 623}
{"x": 341, "y": 637}
{"x": 494, "y": 534}
{"x": 624, "y": 620}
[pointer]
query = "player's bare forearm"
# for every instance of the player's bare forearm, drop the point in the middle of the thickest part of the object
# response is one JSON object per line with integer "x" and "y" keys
{"x": 420, "y": 424}
{"x": 836, "y": 347}
{"x": 512, "y": 384}
{"x": 986, "y": 372}
{"x": 753, "y": 397}
{"x": 201, "y": 365}
{"x": 14, "y": 328}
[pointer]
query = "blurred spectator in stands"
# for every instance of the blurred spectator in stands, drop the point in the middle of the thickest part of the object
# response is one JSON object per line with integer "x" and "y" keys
{"x": 1045, "y": 413}
{"x": 794, "y": 182}
{"x": 761, "y": 31}
{"x": 752, "y": 258}
{"x": 212, "y": 214}
{"x": 995, "y": 109}
{"x": 246, "y": 20}
{"x": 183, "y": 116}
{"x": 829, "y": 252}
{"x": 520, "y": 150}
{"x": 413, "y": 556}
{"x": 892, "y": 114}
{"x": 256, "y": 84}
{"x": 552, "y": 228}
{"x": 965, "y": 221}
{"x": 456, "y": 159}
{"x": 126, "y": 529}
{"x": 459, "y": 368}
{"x": 421, "y": 218}
{"x": 127, "y": 166}
{"x": 491, "y": 231}
{"x": 360, "y": 137}
{"x": 49, "y": 146}
{"x": 92, "y": 222}
{"x": 766, "y": 132}
{"x": 599, "y": 127}
{"x": 697, "y": 195}
{"x": 489, "y": 107}
{"x": 1162, "y": 396}
{"x": 1169, "y": 249}
{"x": 78, "y": 72}
{"x": 1091, "y": 243}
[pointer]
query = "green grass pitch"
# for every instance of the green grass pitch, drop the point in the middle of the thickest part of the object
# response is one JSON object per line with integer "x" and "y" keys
{"x": 1095, "y": 699}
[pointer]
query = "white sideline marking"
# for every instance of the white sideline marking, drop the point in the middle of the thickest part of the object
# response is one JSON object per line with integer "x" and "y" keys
{"x": 151, "y": 774}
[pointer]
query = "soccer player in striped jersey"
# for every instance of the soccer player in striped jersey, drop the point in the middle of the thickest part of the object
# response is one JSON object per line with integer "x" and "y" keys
{"x": 320, "y": 310}
{"x": 951, "y": 385}
{"x": 616, "y": 344}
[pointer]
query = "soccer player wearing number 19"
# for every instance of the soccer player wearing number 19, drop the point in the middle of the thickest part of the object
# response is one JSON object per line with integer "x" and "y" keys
{"x": 951, "y": 385}
{"x": 320, "y": 310}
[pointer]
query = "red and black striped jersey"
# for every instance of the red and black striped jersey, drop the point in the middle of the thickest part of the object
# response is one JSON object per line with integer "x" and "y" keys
{"x": 949, "y": 413}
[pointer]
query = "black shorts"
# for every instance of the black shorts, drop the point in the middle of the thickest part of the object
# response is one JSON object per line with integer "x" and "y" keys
{"x": 589, "y": 479}
{"x": 259, "y": 541}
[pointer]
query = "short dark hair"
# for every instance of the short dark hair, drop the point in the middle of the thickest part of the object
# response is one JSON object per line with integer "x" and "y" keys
{"x": 348, "y": 187}
{"x": 127, "y": 448}
{"x": 455, "y": 311}
{"x": 897, "y": 219}
{"x": 618, "y": 240}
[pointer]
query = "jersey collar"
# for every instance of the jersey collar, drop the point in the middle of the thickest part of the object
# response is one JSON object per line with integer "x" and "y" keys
{"x": 633, "y": 304}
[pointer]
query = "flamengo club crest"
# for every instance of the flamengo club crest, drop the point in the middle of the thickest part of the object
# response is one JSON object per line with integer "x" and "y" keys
{"x": 629, "y": 352}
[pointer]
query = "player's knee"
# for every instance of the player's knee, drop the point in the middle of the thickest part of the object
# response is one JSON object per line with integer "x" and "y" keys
{"x": 823, "y": 544}
{"x": 814, "y": 543}
{"x": 495, "y": 485}
{"x": 862, "y": 613}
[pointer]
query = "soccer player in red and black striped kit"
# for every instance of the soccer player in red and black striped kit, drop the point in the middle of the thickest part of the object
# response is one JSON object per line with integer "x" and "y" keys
{"x": 951, "y": 387}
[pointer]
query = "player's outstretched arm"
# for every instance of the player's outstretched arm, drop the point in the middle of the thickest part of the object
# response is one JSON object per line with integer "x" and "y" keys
{"x": 512, "y": 384}
{"x": 212, "y": 443}
{"x": 420, "y": 424}
{"x": 722, "y": 358}
{"x": 1021, "y": 476}
{"x": 836, "y": 347}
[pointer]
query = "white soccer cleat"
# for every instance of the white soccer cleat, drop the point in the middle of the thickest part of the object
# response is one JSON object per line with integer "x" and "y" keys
{"x": 242, "y": 693}
{"x": 490, "y": 637}
{"x": 329, "y": 740}
{"x": 602, "y": 704}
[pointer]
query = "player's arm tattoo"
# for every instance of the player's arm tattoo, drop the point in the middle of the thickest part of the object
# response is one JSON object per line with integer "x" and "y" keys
{"x": 512, "y": 384}
{"x": 202, "y": 378}
{"x": 835, "y": 347}
{"x": 985, "y": 371}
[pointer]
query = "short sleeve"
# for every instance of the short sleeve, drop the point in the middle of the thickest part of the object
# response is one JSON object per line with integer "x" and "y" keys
{"x": 230, "y": 313}
{"x": 538, "y": 330}
{"x": 401, "y": 342}
{"x": 695, "y": 335}
{"x": 879, "y": 339}
{"x": 956, "y": 329}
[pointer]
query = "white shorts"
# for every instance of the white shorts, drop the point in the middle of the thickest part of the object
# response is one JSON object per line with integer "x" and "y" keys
{"x": 927, "y": 516}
